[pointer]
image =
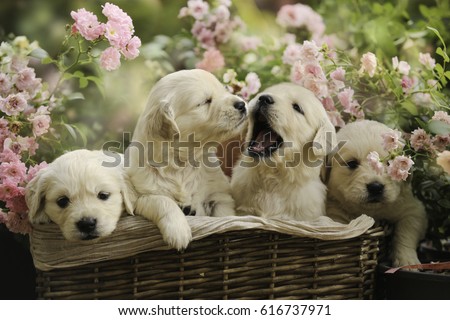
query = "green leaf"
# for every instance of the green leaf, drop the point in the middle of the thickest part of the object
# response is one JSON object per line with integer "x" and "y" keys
{"x": 75, "y": 96}
{"x": 443, "y": 54}
{"x": 410, "y": 107}
{"x": 71, "y": 131}
{"x": 83, "y": 82}
{"x": 47, "y": 60}
{"x": 436, "y": 32}
{"x": 439, "y": 69}
{"x": 447, "y": 74}
{"x": 78, "y": 74}
{"x": 439, "y": 127}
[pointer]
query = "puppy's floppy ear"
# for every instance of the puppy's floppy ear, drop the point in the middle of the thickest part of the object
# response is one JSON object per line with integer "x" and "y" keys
{"x": 35, "y": 197}
{"x": 161, "y": 121}
{"x": 325, "y": 139}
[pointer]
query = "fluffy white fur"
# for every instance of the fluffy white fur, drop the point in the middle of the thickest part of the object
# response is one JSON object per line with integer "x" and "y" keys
{"x": 350, "y": 195}
{"x": 284, "y": 182}
{"x": 91, "y": 196}
{"x": 188, "y": 105}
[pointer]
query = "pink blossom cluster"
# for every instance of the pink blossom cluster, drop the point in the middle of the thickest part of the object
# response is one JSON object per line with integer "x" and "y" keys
{"x": 212, "y": 26}
{"x": 302, "y": 16}
{"x": 307, "y": 69}
{"x": 24, "y": 117}
{"x": 118, "y": 30}
{"x": 247, "y": 88}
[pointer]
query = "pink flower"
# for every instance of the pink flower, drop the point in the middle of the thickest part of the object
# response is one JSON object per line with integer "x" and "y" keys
{"x": 26, "y": 80}
{"x": 290, "y": 16}
{"x": 391, "y": 140}
{"x": 297, "y": 73}
{"x": 110, "y": 59}
{"x": 420, "y": 140}
{"x": 407, "y": 84}
{"x": 441, "y": 142}
{"x": 18, "y": 222}
{"x": 198, "y": 8}
{"x": 317, "y": 85}
{"x": 13, "y": 104}
{"x": 291, "y": 54}
{"x": 13, "y": 171}
{"x": 338, "y": 74}
{"x": 87, "y": 25}
{"x": 403, "y": 67}
{"x": 41, "y": 124}
{"x": 252, "y": 86}
{"x": 17, "y": 204}
{"x": 443, "y": 160}
{"x": 398, "y": 168}
{"x": 373, "y": 159}
{"x": 9, "y": 190}
{"x": 368, "y": 64}
{"x": 213, "y": 60}
{"x": 118, "y": 34}
{"x": 131, "y": 50}
{"x": 427, "y": 61}
{"x": 33, "y": 170}
{"x": 5, "y": 83}
{"x": 422, "y": 99}
{"x": 8, "y": 155}
{"x": 328, "y": 104}
{"x": 114, "y": 13}
{"x": 309, "y": 52}
{"x": 346, "y": 98}
{"x": 222, "y": 13}
{"x": 441, "y": 116}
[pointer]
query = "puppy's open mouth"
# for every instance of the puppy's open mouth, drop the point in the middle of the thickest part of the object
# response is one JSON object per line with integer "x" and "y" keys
{"x": 265, "y": 140}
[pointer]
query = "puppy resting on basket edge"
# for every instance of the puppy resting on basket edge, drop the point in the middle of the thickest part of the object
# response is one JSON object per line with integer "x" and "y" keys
{"x": 84, "y": 192}
{"x": 354, "y": 188}
{"x": 173, "y": 164}
{"x": 288, "y": 136}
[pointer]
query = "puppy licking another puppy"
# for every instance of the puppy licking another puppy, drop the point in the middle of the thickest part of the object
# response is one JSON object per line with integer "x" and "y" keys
{"x": 172, "y": 155}
{"x": 81, "y": 194}
{"x": 288, "y": 136}
{"x": 354, "y": 188}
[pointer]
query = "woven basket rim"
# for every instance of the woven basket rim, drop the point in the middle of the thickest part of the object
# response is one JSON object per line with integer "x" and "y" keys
{"x": 135, "y": 235}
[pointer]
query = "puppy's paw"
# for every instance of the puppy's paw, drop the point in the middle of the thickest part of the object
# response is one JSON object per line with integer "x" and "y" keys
{"x": 405, "y": 257}
{"x": 177, "y": 234}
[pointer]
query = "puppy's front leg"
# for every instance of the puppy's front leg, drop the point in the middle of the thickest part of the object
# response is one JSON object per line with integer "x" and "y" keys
{"x": 409, "y": 230}
{"x": 169, "y": 218}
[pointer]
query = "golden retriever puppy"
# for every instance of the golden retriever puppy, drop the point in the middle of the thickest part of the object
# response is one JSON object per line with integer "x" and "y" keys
{"x": 84, "y": 192}
{"x": 173, "y": 165}
{"x": 288, "y": 137}
{"x": 354, "y": 188}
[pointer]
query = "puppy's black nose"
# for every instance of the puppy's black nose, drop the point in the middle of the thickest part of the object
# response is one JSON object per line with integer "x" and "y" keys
{"x": 240, "y": 105}
{"x": 87, "y": 225}
{"x": 265, "y": 99}
{"x": 375, "y": 188}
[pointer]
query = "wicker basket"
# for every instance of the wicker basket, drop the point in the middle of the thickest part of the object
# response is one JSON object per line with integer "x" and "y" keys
{"x": 230, "y": 258}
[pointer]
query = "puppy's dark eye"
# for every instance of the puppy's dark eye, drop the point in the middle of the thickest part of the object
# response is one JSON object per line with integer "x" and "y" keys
{"x": 63, "y": 202}
{"x": 103, "y": 195}
{"x": 352, "y": 164}
{"x": 298, "y": 108}
{"x": 208, "y": 101}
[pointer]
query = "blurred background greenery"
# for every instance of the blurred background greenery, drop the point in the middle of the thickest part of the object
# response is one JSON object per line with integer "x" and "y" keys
{"x": 384, "y": 27}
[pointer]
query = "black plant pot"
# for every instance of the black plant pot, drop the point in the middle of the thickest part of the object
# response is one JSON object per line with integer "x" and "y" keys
{"x": 412, "y": 285}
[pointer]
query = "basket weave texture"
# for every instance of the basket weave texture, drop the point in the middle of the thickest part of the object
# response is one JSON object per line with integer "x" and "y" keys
{"x": 229, "y": 258}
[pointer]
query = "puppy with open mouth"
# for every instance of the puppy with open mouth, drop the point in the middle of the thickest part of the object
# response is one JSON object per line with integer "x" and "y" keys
{"x": 172, "y": 157}
{"x": 288, "y": 136}
{"x": 354, "y": 188}
{"x": 84, "y": 192}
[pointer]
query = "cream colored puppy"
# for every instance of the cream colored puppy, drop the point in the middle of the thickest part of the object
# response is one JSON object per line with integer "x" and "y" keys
{"x": 288, "y": 136}
{"x": 354, "y": 188}
{"x": 84, "y": 192}
{"x": 172, "y": 155}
